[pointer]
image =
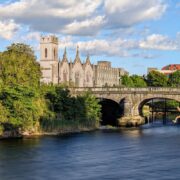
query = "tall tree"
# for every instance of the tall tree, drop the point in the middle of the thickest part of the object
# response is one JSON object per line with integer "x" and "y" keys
{"x": 157, "y": 79}
{"x": 138, "y": 81}
{"x": 22, "y": 66}
{"x": 174, "y": 79}
{"x": 127, "y": 81}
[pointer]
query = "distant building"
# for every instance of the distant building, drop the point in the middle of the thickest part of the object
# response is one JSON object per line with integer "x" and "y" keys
{"x": 105, "y": 75}
{"x": 75, "y": 73}
{"x": 151, "y": 69}
{"x": 167, "y": 70}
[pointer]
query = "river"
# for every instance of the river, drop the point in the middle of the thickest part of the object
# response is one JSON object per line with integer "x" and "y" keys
{"x": 146, "y": 153}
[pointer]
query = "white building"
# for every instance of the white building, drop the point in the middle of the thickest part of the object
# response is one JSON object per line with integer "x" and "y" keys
{"x": 74, "y": 73}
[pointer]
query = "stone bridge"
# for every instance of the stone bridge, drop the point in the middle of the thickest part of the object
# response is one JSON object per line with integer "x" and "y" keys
{"x": 132, "y": 99}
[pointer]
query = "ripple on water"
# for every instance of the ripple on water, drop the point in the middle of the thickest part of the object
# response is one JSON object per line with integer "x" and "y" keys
{"x": 141, "y": 153}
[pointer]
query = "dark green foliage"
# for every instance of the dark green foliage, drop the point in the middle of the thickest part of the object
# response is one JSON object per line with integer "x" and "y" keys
{"x": 138, "y": 81}
{"x": 153, "y": 79}
{"x": 174, "y": 79}
{"x": 133, "y": 81}
{"x": 72, "y": 111}
{"x": 157, "y": 79}
{"x": 127, "y": 81}
{"x": 21, "y": 104}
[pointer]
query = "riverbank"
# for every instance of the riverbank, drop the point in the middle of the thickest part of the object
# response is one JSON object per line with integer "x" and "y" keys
{"x": 11, "y": 135}
{"x": 14, "y": 135}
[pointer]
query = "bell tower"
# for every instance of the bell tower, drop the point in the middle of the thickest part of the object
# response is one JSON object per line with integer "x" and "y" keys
{"x": 49, "y": 59}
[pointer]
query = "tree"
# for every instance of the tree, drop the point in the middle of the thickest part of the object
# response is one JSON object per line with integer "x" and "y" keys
{"x": 127, "y": 81}
{"x": 24, "y": 104}
{"x": 18, "y": 66}
{"x": 174, "y": 79}
{"x": 92, "y": 109}
{"x": 21, "y": 48}
{"x": 157, "y": 79}
{"x": 138, "y": 81}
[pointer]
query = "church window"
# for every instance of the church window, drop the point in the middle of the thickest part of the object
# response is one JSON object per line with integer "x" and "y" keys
{"x": 46, "y": 52}
{"x": 88, "y": 77}
{"x": 77, "y": 76}
{"x": 54, "y": 53}
{"x": 65, "y": 76}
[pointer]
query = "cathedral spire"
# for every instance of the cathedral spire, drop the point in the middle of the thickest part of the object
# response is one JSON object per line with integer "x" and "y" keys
{"x": 88, "y": 59}
{"x": 77, "y": 52}
{"x": 77, "y": 59}
{"x": 65, "y": 55}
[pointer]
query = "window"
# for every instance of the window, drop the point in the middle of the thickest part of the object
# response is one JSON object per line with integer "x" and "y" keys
{"x": 46, "y": 53}
{"x": 54, "y": 53}
{"x": 65, "y": 76}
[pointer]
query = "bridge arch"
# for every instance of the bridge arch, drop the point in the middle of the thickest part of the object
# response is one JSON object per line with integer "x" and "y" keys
{"x": 110, "y": 111}
{"x": 152, "y": 99}
{"x": 133, "y": 99}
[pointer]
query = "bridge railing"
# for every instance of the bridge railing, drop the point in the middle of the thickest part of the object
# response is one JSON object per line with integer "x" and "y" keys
{"x": 124, "y": 89}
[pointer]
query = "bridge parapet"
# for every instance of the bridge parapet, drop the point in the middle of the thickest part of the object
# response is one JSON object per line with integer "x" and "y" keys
{"x": 132, "y": 98}
{"x": 126, "y": 90}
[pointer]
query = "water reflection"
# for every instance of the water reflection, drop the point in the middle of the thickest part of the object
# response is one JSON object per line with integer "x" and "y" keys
{"x": 133, "y": 133}
{"x": 137, "y": 154}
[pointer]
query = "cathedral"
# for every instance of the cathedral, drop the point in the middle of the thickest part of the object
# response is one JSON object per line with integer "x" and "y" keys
{"x": 76, "y": 73}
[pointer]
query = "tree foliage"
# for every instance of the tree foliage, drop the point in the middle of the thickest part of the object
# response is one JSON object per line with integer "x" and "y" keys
{"x": 127, "y": 81}
{"x": 18, "y": 66}
{"x": 174, "y": 79}
{"x": 83, "y": 109}
{"x": 138, "y": 81}
{"x": 157, "y": 79}
{"x": 133, "y": 81}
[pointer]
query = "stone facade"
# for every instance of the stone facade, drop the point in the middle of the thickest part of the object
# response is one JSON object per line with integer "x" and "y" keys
{"x": 75, "y": 73}
{"x": 49, "y": 59}
{"x": 105, "y": 75}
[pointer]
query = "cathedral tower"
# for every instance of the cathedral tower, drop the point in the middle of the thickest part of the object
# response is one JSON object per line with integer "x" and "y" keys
{"x": 49, "y": 59}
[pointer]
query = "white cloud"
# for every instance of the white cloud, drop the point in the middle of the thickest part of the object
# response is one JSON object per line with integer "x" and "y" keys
{"x": 139, "y": 48}
{"x": 87, "y": 27}
{"x": 8, "y": 29}
{"x": 159, "y": 42}
{"x": 99, "y": 47}
{"x": 32, "y": 36}
{"x": 128, "y": 12}
{"x": 66, "y": 41}
{"x": 50, "y": 16}
{"x": 82, "y": 18}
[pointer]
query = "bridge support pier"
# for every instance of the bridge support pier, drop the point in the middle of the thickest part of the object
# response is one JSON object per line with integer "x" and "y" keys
{"x": 131, "y": 117}
{"x": 131, "y": 121}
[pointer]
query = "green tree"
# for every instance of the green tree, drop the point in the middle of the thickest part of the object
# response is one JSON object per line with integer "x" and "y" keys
{"x": 138, "y": 81}
{"x": 127, "y": 81}
{"x": 24, "y": 104}
{"x": 21, "y": 48}
{"x": 157, "y": 79}
{"x": 174, "y": 79}
{"x": 18, "y": 66}
{"x": 92, "y": 108}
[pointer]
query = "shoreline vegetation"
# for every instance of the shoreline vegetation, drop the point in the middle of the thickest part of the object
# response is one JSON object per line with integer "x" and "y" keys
{"x": 29, "y": 108}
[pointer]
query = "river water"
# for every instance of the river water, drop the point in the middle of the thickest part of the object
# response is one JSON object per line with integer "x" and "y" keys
{"x": 145, "y": 153}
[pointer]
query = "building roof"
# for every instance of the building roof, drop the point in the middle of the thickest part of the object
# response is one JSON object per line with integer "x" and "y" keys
{"x": 172, "y": 67}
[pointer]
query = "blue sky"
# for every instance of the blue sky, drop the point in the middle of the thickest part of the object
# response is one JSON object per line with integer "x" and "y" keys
{"x": 134, "y": 35}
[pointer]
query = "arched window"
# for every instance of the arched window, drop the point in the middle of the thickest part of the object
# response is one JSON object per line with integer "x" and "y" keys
{"x": 77, "y": 76}
{"x": 88, "y": 76}
{"x": 46, "y": 53}
{"x": 54, "y": 53}
{"x": 65, "y": 75}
